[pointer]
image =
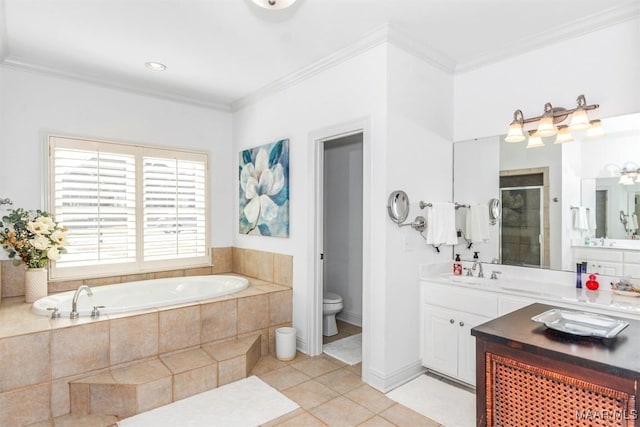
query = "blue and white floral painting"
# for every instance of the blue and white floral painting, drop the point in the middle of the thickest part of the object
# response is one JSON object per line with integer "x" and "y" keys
{"x": 264, "y": 190}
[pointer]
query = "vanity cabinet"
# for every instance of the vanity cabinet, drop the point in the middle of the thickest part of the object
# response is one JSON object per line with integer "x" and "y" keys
{"x": 448, "y": 346}
{"x": 606, "y": 261}
{"x": 448, "y": 314}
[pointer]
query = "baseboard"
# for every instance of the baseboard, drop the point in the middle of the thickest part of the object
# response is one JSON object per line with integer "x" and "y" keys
{"x": 302, "y": 346}
{"x": 387, "y": 382}
{"x": 351, "y": 318}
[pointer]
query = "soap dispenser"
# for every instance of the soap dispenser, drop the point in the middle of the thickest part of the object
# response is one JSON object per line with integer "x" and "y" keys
{"x": 457, "y": 266}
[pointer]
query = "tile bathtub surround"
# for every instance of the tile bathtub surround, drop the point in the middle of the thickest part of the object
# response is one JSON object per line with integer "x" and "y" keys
{"x": 267, "y": 266}
{"x": 62, "y": 350}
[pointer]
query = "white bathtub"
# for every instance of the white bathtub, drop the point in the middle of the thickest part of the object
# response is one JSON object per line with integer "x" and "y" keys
{"x": 145, "y": 294}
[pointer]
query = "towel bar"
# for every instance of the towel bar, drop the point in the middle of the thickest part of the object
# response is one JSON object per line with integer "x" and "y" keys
{"x": 457, "y": 205}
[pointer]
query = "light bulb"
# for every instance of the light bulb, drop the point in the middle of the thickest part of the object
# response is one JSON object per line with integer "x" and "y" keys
{"x": 546, "y": 126}
{"x": 515, "y": 132}
{"x": 595, "y": 130}
{"x": 564, "y": 135}
{"x": 535, "y": 141}
{"x": 579, "y": 120}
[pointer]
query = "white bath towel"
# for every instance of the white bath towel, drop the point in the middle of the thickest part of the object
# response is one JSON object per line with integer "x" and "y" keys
{"x": 634, "y": 221}
{"x": 441, "y": 224}
{"x": 477, "y": 224}
{"x": 580, "y": 221}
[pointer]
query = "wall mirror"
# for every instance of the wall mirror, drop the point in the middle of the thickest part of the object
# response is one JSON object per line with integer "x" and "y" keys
{"x": 398, "y": 206}
{"x": 541, "y": 188}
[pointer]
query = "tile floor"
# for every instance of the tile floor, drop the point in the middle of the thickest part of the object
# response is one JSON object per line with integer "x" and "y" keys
{"x": 331, "y": 393}
{"x": 344, "y": 330}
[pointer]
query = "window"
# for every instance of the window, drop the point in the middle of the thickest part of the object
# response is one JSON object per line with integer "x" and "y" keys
{"x": 128, "y": 208}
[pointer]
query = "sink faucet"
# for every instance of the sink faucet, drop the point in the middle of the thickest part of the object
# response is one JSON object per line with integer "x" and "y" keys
{"x": 479, "y": 265}
{"x": 74, "y": 304}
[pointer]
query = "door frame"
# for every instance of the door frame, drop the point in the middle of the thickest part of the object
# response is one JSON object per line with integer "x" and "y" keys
{"x": 315, "y": 209}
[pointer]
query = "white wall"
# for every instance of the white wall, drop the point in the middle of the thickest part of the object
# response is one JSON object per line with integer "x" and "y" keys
{"x": 408, "y": 104}
{"x": 419, "y": 161}
{"x": 352, "y": 91}
{"x": 33, "y": 103}
{"x": 343, "y": 224}
{"x": 603, "y": 65}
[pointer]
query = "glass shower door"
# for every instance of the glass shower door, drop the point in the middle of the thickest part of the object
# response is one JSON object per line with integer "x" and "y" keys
{"x": 521, "y": 237}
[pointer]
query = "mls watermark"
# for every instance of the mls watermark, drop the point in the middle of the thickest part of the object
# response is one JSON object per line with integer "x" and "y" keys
{"x": 604, "y": 414}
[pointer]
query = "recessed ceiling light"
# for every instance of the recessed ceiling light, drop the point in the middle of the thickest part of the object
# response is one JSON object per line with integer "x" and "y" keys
{"x": 274, "y": 4}
{"x": 155, "y": 66}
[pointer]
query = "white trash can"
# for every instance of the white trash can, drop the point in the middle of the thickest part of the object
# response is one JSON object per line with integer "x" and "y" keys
{"x": 286, "y": 344}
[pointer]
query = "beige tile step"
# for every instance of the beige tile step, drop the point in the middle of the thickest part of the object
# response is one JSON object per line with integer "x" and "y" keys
{"x": 124, "y": 391}
{"x": 71, "y": 420}
{"x": 235, "y": 358}
{"x": 194, "y": 371}
{"x": 130, "y": 390}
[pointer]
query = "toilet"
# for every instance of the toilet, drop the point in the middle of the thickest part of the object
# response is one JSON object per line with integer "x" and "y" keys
{"x": 331, "y": 305}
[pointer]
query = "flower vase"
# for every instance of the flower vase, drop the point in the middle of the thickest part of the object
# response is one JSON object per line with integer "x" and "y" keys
{"x": 35, "y": 284}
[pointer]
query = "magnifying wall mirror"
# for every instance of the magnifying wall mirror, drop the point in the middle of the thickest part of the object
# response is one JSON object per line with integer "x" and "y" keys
{"x": 398, "y": 206}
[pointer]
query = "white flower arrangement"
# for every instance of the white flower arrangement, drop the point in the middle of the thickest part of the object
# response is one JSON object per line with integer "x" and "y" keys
{"x": 32, "y": 237}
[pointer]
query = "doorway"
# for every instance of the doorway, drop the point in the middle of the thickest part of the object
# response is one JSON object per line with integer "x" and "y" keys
{"x": 342, "y": 243}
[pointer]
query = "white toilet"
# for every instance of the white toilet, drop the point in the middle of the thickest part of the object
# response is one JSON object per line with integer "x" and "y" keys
{"x": 331, "y": 305}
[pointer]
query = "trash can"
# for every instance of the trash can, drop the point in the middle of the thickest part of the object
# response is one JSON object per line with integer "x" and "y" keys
{"x": 286, "y": 343}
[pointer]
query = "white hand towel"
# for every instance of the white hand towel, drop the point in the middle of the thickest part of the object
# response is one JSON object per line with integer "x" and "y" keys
{"x": 593, "y": 225}
{"x": 441, "y": 224}
{"x": 477, "y": 224}
{"x": 634, "y": 220}
{"x": 580, "y": 221}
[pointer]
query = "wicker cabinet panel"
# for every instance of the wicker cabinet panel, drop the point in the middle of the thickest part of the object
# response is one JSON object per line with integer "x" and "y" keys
{"x": 519, "y": 394}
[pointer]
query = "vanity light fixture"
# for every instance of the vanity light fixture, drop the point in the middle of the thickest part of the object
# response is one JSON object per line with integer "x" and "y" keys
{"x": 627, "y": 176}
{"x": 549, "y": 120}
{"x": 274, "y": 4}
{"x": 155, "y": 66}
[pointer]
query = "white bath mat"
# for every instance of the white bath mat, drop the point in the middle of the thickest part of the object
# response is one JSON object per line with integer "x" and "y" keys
{"x": 246, "y": 403}
{"x": 347, "y": 350}
{"x": 449, "y": 405}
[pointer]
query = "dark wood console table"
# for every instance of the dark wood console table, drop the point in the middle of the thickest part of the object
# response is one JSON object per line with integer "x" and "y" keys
{"x": 529, "y": 375}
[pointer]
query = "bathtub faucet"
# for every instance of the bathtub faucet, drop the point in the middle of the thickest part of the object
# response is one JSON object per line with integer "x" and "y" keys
{"x": 74, "y": 304}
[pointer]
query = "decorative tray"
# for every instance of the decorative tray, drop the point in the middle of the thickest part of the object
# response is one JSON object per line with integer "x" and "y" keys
{"x": 626, "y": 293}
{"x": 581, "y": 323}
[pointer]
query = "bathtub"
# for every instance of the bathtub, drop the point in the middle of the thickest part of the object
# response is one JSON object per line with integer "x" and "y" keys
{"x": 141, "y": 295}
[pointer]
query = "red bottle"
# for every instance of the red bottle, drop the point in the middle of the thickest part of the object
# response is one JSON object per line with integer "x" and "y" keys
{"x": 592, "y": 284}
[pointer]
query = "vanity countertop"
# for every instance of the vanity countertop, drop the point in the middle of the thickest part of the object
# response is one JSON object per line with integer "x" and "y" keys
{"x": 545, "y": 291}
{"x": 619, "y": 244}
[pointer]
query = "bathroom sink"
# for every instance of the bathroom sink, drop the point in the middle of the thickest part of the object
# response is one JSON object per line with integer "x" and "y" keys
{"x": 469, "y": 280}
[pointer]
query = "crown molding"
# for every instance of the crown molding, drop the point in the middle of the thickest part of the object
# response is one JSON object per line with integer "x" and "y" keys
{"x": 579, "y": 27}
{"x": 18, "y": 64}
{"x": 432, "y": 56}
{"x": 372, "y": 39}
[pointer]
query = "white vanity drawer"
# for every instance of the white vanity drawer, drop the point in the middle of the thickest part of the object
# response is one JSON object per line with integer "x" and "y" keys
{"x": 632, "y": 270}
{"x": 459, "y": 298}
{"x": 632, "y": 256}
{"x": 587, "y": 254}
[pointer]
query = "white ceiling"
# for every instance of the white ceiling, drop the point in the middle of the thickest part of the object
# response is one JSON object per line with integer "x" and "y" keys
{"x": 219, "y": 52}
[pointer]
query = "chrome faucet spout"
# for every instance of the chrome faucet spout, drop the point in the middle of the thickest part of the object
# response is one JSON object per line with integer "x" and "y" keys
{"x": 74, "y": 304}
